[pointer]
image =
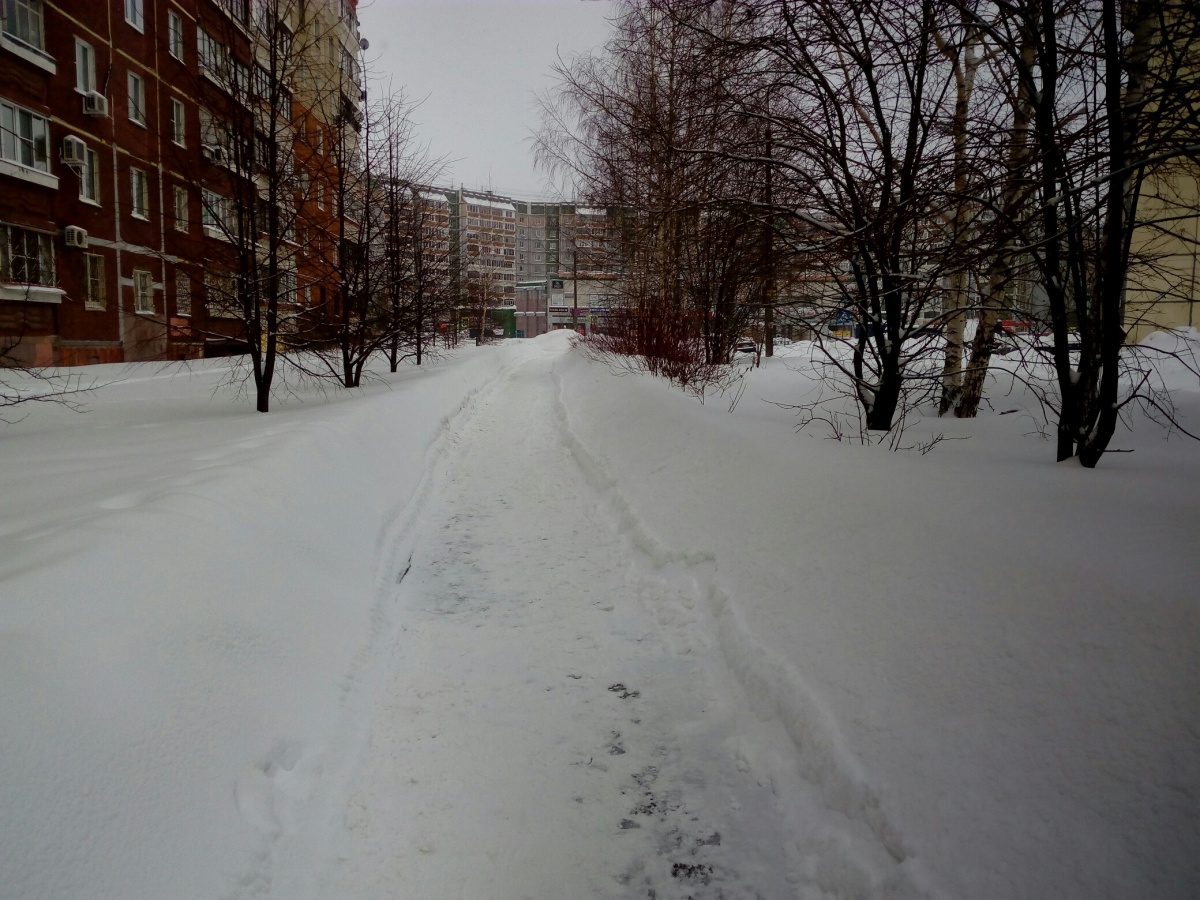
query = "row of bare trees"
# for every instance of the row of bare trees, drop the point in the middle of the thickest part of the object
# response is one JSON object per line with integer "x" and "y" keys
{"x": 903, "y": 169}
{"x": 316, "y": 197}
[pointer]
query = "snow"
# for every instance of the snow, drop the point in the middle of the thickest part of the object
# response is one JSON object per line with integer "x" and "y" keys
{"x": 507, "y": 623}
{"x": 490, "y": 202}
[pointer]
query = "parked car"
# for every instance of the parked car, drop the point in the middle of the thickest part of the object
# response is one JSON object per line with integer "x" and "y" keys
{"x": 744, "y": 345}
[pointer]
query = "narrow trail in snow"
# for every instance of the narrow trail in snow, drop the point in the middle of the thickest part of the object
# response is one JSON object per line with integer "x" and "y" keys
{"x": 538, "y": 736}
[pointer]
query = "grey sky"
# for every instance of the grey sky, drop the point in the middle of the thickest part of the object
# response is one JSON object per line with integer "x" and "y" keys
{"x": 478, "y": 65}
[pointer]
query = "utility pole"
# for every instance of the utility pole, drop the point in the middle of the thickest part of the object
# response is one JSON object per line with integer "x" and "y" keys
{"x": 575, "y": 270}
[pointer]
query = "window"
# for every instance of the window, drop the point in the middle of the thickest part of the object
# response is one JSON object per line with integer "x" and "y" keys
{"x": 235, "y": 9}
{"x": 23, "y": 20}
{"x": 175, "y": 34}
{"x": 208, "y": 129}
{"x": 216, "y": 213}
{"x": 134, "y": 14}
{"x": 287, "y": 287}
{"x": 137, "y": 99}
{"x": 24, "y": 137}
{"x": 178, "y": 123}
{"x": 26, "y": 257}
{"x": 140, "y": 192}
{"x": 220, "y": 296}
{"x": 210, "y": 208}
{"x": 261, "y": 15}
{"x": 183, "y": 293}
{"x": 262, "y": 83}
{"x": 212, "y": 54}
{"x": 180, "y": 205}
{"x": 89, "y": 177}
{"x": 93, "y": 281}
{"x": 85, "y": 67}
{"x": 143, "y": 292}
{"x": 320, "y": 194}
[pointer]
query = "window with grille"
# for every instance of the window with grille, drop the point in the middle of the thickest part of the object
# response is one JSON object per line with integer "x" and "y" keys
{"x": 220, "y": 299}
{"x": 183, "y": 293}
{"x": 180, "y": 197}
{"x": 287, "y": 287}
{"x": 143, "y": 291}
{"x": 93, "y": 281}
{"x": 26, "y": 257}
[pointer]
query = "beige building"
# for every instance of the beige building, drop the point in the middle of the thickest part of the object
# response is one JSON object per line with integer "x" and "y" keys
{"x": 1163, "y": 276}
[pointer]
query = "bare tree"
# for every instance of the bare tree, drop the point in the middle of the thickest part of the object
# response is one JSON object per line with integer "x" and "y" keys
{"x": 418, "y": 257}
{"x": 818, "y": 122}
{"x": 963, "y": 47}
{"x": 1110, "y": 89}
{"x": 912, "y": 163}
{"x": 689, "y": 250}
{"x": 271, "y": 85}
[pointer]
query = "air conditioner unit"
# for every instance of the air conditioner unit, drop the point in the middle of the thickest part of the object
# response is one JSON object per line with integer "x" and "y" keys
{"x": 95, "y": 104}
{"x": 215, "y": 153}
{"x": 74, "y": 151}
{"x": 76, "y": 236}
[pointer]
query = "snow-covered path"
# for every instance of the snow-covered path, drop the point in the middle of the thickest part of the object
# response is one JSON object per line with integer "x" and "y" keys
{"x": 508, "y": 626}
{"x": 536, "y": 737}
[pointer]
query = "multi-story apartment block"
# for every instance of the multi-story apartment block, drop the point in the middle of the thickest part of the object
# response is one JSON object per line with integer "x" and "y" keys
{"x": 484, "y": 238}
{"x": 118, "y": 215}
{"x": 567, "y": 266}
{"x": 531, "y": 241}
{"x": 532, "y": 293}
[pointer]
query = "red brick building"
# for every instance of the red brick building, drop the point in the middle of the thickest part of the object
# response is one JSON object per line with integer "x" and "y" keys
{"x": 111, "y": 201}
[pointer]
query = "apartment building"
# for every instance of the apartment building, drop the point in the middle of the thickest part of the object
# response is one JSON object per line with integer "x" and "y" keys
{"x": 1164, "y": 290}
{"x": 120, "y": 217}
{"x": 484, "y": 236}
{"x": 569, "y": 251}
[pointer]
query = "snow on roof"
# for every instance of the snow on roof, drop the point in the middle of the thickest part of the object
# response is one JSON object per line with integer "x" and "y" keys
{"x": 492, "y": 202}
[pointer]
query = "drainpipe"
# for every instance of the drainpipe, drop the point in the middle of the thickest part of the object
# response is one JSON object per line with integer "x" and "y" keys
{"x": 116, "y": 186}
{"x": 162, "y": 210}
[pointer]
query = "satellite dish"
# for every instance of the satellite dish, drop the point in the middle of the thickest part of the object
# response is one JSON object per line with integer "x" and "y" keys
{"x": 365, "y": 44}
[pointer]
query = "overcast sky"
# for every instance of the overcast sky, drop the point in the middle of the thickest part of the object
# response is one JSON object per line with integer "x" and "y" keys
{"x": 477, "y": 65}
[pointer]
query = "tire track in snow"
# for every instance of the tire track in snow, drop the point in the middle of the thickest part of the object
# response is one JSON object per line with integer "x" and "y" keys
{"x": 838, "y": 862}
{"x": 536, "y": 737}
{"x": 289, "y": 793}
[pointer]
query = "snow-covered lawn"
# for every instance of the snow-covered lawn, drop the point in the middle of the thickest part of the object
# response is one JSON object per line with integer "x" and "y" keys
{"x": 509, "y": 626}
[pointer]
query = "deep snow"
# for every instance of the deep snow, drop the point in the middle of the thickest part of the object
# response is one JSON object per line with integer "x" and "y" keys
{"x": 510, "y": 626}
